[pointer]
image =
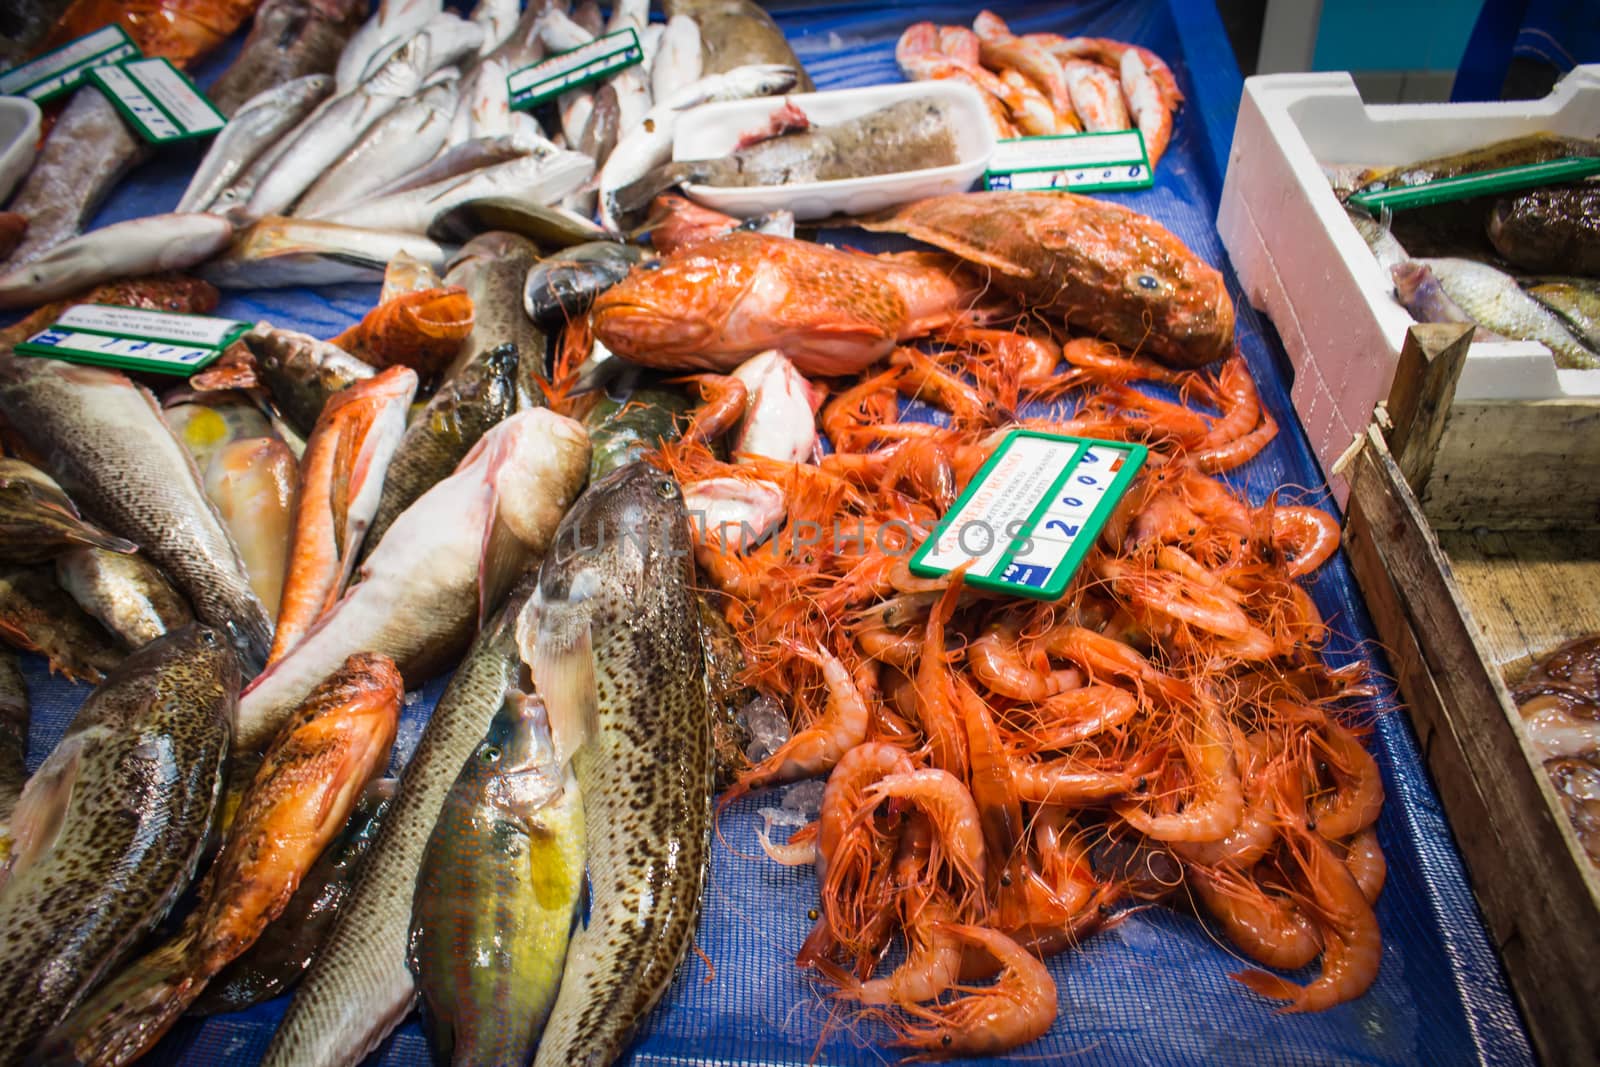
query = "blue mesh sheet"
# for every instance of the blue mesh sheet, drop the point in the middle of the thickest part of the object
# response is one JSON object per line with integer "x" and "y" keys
{"x": 1153, "y": 989}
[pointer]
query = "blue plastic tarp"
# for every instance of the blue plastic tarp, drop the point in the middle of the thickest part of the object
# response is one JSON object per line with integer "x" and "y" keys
{"x": 1155, "y": 987}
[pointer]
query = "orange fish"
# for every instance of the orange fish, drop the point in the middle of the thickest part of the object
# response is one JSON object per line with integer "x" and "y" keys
{"x": 179, "y": 30}
{"x": 335, "y": 742}
{"x": 714, "y": 304}
{"x": 341, "y": 480}
{"x": 422, "y": 330}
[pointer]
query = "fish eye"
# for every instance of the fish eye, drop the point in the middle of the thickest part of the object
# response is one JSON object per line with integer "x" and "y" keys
{"x": 666, "y": 489}
{"x": 1146, "y": 281}
{"x": 490, "y": 754}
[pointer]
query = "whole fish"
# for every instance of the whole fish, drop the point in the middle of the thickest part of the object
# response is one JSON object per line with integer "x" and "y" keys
{"x": 497, "y": 19}
{"x": 288, "y": 40}
{"x": 207, "y": 422}
{"x": 1556, "y": 228}
{"x": 121, "y": 250}
{"x": 36, "y": 615}
{"x": 737, "y": 33}
{"x": 341, "y": 122}
{"x": 678, "y": 61}
{"x": 88, "y": 151}
{"x": 562, "y": 287}
{"x": 298, "y": 800}
{"x": 289, "y": 944}
{"x": 632, "y": 84}
{"x": 394, "y": 21}
{"x": 1420, "y": 293}
{"x": 1578, "y": 307}
{"x": 109, "y": 447}
{"x": 905, "y": 136}
{"x": 119, "y": 812}
{"x": 445, "y": 562}
{"x": 714, "y": 304}
{"x": 300, "y": 371}
{"x": 341, "y": 478}
{"x": 179, "y": 30}
{"x": 253, "y": 130}
{"x": 128, "y": 594}
{"x": 541, "y": 178}
{"x": 233, "y": 203}
{"x": 277, "y": 252}
{"x": 648, "y": 144}
{"x": 254, "y": 484}
{"x": 465, "y": 408}
{"x": 491, "y": 268}
{"x": 1386, "y": 249}
{"x": 1100, "y": 266}
{"x": 359, "y": 987}
{"x": 1495, "y": 301}
{"x": 38, "y": 521}
{"x": 624, "y": 430}
{"x": 456, "y": 160}
{"x": 13, "y": 745}
{"x": 522, "y": 47}
{"x": 484, "y": 106}
{"x": 548, "y": 227}
{"x": 397, "y": 143}
{"x": 1532, "y": 148}
{"x": 618, "y": 646}
{"x": 497, "y": 892}
{"x": 601, "y": 129}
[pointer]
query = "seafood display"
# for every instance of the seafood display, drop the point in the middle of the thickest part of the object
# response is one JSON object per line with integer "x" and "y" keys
{"x": 1560, "y": 704}
{"x": 450, "y": 625}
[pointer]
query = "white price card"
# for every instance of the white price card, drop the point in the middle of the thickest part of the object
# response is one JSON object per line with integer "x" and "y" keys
{"x": 1026, "y": 521}
{"x": 158, "y": 100}
{"x": 600, "y": 58}
{"x": 60, "y": 71}
{"x": 160, "y": 342}
{"x": 1080, "y": 162}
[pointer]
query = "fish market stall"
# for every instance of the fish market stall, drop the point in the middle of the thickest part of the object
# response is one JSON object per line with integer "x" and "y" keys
{"x": 1409, "y": 974}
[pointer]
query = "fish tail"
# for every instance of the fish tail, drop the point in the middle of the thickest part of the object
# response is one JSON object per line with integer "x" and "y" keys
{"x": 94, "y": 537}
{"x": 128, "y": 1015}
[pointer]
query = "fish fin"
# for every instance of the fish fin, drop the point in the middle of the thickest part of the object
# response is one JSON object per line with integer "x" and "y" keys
{"x": 562, "y": 663}
{"x": 42, "y": 808}
{"x": 499, "y": 566}
{"x": 129, "y": 1014}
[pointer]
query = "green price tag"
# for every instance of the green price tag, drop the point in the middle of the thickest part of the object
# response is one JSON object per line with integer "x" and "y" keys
{"x": 60, "y": 71}
{"x": 159, "y": 342}
{"x": 158, "y": 100}
{"x": 1484, "y": 183}
{"x": 1032, "y": 513}
{"x": 1081, "y": 162}
{"x": 600, "y": 58}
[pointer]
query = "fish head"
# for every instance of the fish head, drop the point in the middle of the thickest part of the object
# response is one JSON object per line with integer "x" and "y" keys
{"x": 198, "y": 664}
{"x": 515, "y": 763}
{"x": 628, "y": 528}
{"x": 677, "y": 305}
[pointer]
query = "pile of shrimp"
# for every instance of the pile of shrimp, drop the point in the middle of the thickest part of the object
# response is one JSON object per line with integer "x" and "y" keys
{"x": 1005, "y": 776}
{"x": 1038, "y": 84}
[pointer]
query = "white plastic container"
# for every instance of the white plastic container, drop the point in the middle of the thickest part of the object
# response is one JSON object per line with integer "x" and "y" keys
{"x": 1301, "y": 260}
{"x": 714, "y": 130}
{"x": 19, "y": 133}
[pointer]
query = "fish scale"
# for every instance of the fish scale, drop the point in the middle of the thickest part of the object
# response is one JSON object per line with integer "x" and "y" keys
{"x": 146, "y": 754}
{"x": 620, "y": 574}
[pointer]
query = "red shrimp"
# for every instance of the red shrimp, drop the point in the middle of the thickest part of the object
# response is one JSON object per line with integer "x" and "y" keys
{"x": 1306, "y": 538}
{"x": 1018, "y": 1008}
{"x": 936, "y": 707}
{"x": 725, "y": 399}
{"x": 1355, "y": 804}
{"x": 1268, "y": 928}
{"x": 818, "y": 747}
{"x": 1218, "y": 801}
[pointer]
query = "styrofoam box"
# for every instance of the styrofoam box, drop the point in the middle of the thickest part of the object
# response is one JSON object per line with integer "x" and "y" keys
{"x": 1301, "y": 260}
{"x": 714, "y": 130}
{"x": 19, "y": 129}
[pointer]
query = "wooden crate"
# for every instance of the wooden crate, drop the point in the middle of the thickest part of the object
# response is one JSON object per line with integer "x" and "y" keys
{"x": 1464, "y": 611}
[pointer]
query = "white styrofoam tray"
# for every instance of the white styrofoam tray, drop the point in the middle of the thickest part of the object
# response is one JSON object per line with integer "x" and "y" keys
{"x": 19, "y": 131}
{"x": 1301, "y": 260}
{"x": 714, "y": 130}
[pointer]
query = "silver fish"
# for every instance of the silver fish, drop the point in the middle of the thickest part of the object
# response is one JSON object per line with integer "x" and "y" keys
{"x": 282, "y": 251}
{"x": 121, "y": 250}
{"x": 677, "y": 59}
{"x": 541, "y": 178}
{"x": 395, "y": 20}
{"x": 649, "y": 144}
{"x": 460, "y": 159}
{"x": 127, "y": 593}
{"x": 111, "y": 827}
{"x": 398, "y": 143}
{"x": 254, "y": 129}
{"x": 559, "y": 33}
{"x": 359, "y": 987}
{"x": 484, "y": 108}
{"x": 618, "y": 653}
{"x": 110, "y": 448}
{"x": 233, "y": 202}
{"x": 522, "y": 47}
{"x": 497, "y": 19}
{"x": 446, "y": 560}
{"x": 1495, "y": 301}
{"x": 88, "y": 151}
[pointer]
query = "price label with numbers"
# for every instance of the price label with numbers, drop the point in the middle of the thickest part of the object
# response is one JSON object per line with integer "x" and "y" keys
{"x": 600, "y": 58}
{"x": 160, "y": 342}
{"x": 158, "y": 100}
{"x": 59, "y": 71}
{"x": 1027, "y": 520}
{"x": 1081, "y": 162}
